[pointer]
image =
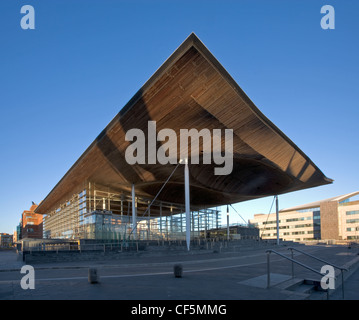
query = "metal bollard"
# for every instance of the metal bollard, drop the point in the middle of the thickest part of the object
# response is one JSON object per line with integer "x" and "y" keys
{"x": 93, "y": 276}
{"x": 178, "y": 269}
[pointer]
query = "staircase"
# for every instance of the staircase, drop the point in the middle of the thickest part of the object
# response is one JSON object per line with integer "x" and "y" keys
{"x": 306, "y": 289}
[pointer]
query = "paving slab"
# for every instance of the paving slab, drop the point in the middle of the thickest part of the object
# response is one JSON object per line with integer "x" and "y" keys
{"x": 262, "y": 281}
{"x": 211, "y": 276}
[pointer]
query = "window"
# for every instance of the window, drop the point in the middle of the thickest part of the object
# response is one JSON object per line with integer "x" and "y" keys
{"x": 298, "y": 232}
{"x": 299, "y": 219}
{"x": 82, "y": 193}
{"x": 303, "y": 225}
{"x": 352, "y": 220}
{"x": 308, "y": 210}
{"x": 270, "y": 222}
{"x": 349, "y": 213}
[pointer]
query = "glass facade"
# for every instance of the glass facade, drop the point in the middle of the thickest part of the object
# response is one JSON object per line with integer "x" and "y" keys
{"x": 97, "y": 213}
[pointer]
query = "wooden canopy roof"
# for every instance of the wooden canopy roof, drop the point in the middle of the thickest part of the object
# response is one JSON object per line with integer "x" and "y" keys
{"x": 192, "y": 90}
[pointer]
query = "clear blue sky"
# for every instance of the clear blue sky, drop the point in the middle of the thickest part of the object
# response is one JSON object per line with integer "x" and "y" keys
{"x": 63, "y": 82}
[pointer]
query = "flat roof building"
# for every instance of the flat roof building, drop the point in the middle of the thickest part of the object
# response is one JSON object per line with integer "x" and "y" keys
{"x": 31, "y": 223}
{"x": 105, "y": 193}
{"x": 6, "y": 240}
{"x": 335, "y": 218}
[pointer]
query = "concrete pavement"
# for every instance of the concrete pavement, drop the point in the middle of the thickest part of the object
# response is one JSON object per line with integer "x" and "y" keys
{"x": 210, "y": 276}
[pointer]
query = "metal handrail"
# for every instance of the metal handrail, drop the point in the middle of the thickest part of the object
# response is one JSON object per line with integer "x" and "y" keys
{"x": 293, "y": 261}
{"x": 321, "y": 260}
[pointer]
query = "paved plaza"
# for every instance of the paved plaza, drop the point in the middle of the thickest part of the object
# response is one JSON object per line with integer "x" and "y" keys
{"x": 208, "y": 276}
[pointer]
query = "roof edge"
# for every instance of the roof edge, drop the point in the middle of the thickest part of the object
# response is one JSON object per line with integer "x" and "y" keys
{"x": 317, "y": 203}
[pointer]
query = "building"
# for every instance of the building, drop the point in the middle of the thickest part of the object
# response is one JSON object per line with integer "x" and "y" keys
{"x": 6, "y": 240}
{"x": 19, "y": 230}
{"x": 106, "y": 196}
{"x": 233, "y": 232}
{"x": 294, "y": 225}
{"x": 335, "y": 218}
{"x": 31, "y": 224}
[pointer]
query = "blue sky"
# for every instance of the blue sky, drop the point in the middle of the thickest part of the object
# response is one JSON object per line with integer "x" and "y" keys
{"x": 63, "y": 82}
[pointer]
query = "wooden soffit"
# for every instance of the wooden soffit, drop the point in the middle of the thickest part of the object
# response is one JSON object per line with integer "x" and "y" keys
{"x": 192, "y": 90}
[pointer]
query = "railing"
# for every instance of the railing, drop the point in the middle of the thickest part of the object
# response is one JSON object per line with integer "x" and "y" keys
{"x": 126, "y": 245}
{"x": 293, "y": 261}
{"x": 321, "y": 260}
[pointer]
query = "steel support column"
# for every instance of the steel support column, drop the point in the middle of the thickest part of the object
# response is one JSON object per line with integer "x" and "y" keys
{"x": 134, "y": 213}
{"x": 227, "y": 223}
{"x": 277, "y": 217}
{"x": 187, "y": 205}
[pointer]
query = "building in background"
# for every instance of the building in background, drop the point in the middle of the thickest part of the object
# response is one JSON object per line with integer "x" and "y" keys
{"x": 18, "y": 231}
{"x": 235, "y": 231}
{"x": 31, "y": 224}
{"x": 335, "y": 218}
{"x": 6, "y": 240}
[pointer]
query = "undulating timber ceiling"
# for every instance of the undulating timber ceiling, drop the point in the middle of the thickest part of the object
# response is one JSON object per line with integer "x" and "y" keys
{"x": 192, "y": 90}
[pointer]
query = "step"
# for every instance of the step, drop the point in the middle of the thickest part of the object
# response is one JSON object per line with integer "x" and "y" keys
{"x": 307, "y": 289}
{"x": 304, "y": 288}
